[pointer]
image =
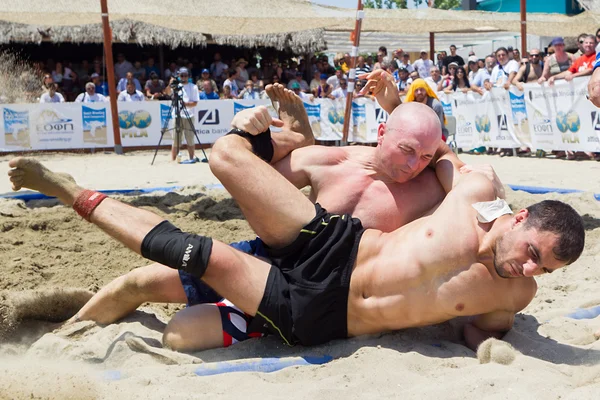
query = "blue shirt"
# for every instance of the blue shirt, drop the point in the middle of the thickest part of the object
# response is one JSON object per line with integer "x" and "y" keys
{"x": 211, "y": 96}
{"x": 597, "y": 62}
{"x": 102, "y": 88}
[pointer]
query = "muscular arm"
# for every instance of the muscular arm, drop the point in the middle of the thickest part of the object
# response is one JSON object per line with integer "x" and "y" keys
{"x": 447, "y": 166}
{"x": 485, "y": 326}
{"x": 301, "y": 163}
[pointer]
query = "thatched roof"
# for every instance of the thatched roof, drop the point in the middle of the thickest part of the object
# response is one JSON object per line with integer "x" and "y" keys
{"x": 284, "y": 24}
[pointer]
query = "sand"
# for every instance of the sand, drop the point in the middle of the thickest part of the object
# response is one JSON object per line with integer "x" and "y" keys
{"x": 52, "y": 261}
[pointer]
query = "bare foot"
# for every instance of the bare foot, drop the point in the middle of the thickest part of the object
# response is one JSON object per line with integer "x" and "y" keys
{"x": 297, "y": 131}
{"x": 31, "y": 174}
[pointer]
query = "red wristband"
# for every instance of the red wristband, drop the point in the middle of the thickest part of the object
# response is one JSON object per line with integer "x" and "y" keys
{"x": 86, "y": 203}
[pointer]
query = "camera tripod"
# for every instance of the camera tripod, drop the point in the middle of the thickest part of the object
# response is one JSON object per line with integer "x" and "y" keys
{"x": 178, "y": 107}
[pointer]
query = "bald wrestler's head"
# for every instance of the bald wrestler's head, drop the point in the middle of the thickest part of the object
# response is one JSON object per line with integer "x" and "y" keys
{"x": 407, "y": 142}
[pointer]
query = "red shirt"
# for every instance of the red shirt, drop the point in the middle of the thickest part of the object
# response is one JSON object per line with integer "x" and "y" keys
{"x": 583, "y": 63}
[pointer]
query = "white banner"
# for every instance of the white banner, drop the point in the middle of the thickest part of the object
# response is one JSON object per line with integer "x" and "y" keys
{"x": 541, "y": 117}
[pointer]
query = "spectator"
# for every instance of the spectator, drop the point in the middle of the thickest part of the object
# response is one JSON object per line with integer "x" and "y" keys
{"x": 403, "y": 81}
{"x": 101, "y": 85}
{"x": 58, "y": 73}
{"x": 170, "y": 71}
{"x": 122, "y": 67}
{"x": 47, "y": 81}
{"x": 504, "y": 72}
{"x": 420, "y": 91}
{"x": 242, "y": 73}
{"x": 447, "y": 79}
{"x": 412, "y": 76}
{"x": 557, "y": 61}
{"x": 227, "y": 94}
{"x": 441, "y": 62}
{"x": 579, "y": 51}
{"x": 249, "y": 92}
{"x": 267, "y": 70}
{"x": 334, "y": 81}
{"x": 139, "y": 72}
{"x": 361, "y": 66}
{"x": 190, "y": 97}
{"x": 598, "y": 35}
{"x": 316, "y": 80}
{"x": 295, "y": 87}
{"x": 207, "y": 92}
{"x": 530, "y": 71}
{"x": 369, "y": 62}
{"x": 345, "y": 64}
{"x": 122, "y": 86}
{"x": 258, "y": 83}
{"x": 231, "y": 82}
{"x": 517, "y": 55}
{"x": 298, "y": 79}
{"x": 324, "y": 89}
{"x": 483, "y": 75}
{"x": 205, "y": 76}
{"x": 131, "y": 93}
{"x": 151, "y": 67}
{"x": 52, "y": 96}
{"x": 423, "y": 65}
{"x": 155, "y": 88}
{"x": 473, "y": 65}
{"x": 342, "y": 91}
{"x": 218, "y": 68}
{"x": 460, "y": 82}
{"x": 434, "y": 78}
{"x": 510, "y": 52}
{"x": 90, "y": 95}
{"x": 406, "y": 63}
{"x": 453, "y": 58}
{"x": 583, "y": 66}
{"x": 69, "y": 78}
{"x": 381, "y": 57}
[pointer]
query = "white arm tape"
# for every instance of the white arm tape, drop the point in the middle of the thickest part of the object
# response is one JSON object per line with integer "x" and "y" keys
{"x": 352, "y": 74}
{"x": 354, "y": 51}
{"x": 360, "y": 15}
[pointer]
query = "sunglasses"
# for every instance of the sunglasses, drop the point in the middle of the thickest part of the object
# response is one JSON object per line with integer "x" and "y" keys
{"x": 534, "y": 55}
{"x": 581, "y": 42}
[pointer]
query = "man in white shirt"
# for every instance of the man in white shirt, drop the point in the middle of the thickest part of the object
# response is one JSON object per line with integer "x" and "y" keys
{"x": 217, "y": 68}
{"x": 52, "y": 96}
{"x": 131, "y": 94}
{"x": 334, "y": 80}
{"x": 90, "y": 95}
{"x": 405, "y": 63}
{"x": 423, "y": 65}
{"x": 232, "y": 83}
{"x": 303, "y": 85}
{"x": 504, "y": 72}
{"x": 342, "y": 91}
{"x": 188, "y": 92}
{"x": 122, "y": 85}
{"x": 434, "y": 78}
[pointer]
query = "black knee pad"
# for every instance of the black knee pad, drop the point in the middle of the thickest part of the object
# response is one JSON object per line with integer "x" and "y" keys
{"x": 168, "y": 245}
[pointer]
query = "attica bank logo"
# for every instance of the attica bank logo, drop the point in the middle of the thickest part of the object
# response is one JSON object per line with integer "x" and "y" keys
{"x": 568, "y": 124}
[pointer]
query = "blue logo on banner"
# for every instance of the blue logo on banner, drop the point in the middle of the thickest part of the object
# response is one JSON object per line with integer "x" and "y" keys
{"x": 164, "y": 114}
{"x": 15, "y": 122}
{"x": 237, "y": 107}
{"x": 359, "y": 111}
{"x": 313, "y": 110}
{"x": 517, "y": 105}
{"x": 447, "y": 108}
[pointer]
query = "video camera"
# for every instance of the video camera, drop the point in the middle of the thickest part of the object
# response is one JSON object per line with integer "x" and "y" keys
{"x": 176, "y": 82}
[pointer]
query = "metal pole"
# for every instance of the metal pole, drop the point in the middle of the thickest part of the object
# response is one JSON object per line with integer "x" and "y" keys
{"x": 432, "y": 47}
{"x": 523, "y": 28}
{"x": 360, "y": 14}
{"x": 110, "y": 70}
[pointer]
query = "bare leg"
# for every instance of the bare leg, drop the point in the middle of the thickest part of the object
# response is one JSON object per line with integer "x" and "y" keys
{"x": 154, "y": 283}
{"x": 297, "y": 131}
{"x": 238, "y": 276}
{"x": 195, "y": 328}
{"x": 275, "y": 209}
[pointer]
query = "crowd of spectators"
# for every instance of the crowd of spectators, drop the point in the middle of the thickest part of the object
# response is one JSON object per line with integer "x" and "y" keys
{"x": 319, "y": 77}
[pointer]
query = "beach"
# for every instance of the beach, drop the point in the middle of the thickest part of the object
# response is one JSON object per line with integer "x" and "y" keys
{"x": 52, "y": 261}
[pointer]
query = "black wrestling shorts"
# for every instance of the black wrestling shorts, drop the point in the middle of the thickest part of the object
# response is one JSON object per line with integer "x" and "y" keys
{"x": 306, "y": 297}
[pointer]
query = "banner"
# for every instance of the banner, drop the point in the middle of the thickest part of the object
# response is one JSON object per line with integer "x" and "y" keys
{"x": 545, "y": 117}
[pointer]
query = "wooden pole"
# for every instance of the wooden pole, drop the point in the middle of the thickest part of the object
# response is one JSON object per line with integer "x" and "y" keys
{"x": 352, "y": 72}
{"x": 110, "y": 71}
{"x": 523, "y": 28}
{"x": 432, "y": 48}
